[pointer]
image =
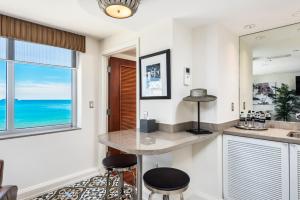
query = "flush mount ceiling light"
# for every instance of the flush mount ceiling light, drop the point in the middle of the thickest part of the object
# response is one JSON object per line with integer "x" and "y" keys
{"x": 249, "y": 26}
{"x": 119, "y": 9}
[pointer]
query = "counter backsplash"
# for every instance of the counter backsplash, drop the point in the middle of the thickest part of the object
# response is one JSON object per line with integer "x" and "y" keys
{"x": 188, "y": 125}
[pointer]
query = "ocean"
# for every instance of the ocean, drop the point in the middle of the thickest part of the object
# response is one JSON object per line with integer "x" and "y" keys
{"x": 37, "y": 113}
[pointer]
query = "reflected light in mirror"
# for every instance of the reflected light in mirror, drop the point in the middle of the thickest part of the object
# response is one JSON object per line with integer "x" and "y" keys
{"x": 269, "y": 59}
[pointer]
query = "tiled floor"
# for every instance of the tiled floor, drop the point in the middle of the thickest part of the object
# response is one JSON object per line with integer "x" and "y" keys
{"x": 90, "y": 189}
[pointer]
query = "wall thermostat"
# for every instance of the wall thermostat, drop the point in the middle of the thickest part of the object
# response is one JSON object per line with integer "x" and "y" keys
{"x": 187, "y": 76}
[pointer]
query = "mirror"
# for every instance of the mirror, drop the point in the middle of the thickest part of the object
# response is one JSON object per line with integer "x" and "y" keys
{"x": 270, "y": 73}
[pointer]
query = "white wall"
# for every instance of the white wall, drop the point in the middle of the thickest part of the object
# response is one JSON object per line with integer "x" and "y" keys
{"x": 166, "y": 34}
{"x": 205, "y": 71}
{"x": 41, "y": 159}
{"x": 216, "y": 68}
{"x": 182, "y": 57}
{"x": 246, "y": 77}
{"x": 212, "y": 52}
{"x": 207, "y": 179}
{"x": 177, "y": 37}
{"x": 153, "y": 39}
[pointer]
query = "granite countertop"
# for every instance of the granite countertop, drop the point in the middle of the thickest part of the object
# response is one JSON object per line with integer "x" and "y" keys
{"x": 135, "y": 142}
{"x": 273, "y": 134}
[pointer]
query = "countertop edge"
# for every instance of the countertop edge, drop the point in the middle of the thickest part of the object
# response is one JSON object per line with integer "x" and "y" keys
{"x": 262, "y": 137}
{"x": 200, "y": 139}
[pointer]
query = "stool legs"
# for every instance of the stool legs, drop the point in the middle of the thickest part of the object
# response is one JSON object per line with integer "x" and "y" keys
{"x": 121, "y": 184}
{"x": 107, "y": 185}
{"x": 134, "y": 185}
{"x": 181, "y": 196}
{"x": 165, "y": 197}
{"x": 150, "y": 196}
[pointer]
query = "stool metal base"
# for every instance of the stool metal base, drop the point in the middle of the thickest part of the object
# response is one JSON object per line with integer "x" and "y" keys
{"x": 166, "y": 194}
{"x": 120, "y": 172}
{"x": 165, "y": 197}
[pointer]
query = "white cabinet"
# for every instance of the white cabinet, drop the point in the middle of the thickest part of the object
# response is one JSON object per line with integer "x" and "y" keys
{"x": 295, "y": 171}
{"x": 255, "y": 169}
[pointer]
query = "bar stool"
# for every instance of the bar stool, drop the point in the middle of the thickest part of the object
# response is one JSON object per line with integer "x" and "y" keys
{"x": 166, "y": 181}
{"x": 118, "y": 164}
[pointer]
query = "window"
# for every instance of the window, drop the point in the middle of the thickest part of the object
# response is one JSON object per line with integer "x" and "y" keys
{"x": 42, "y": 96}
{"x": 37, "y": 84}
{"x": 2, "y": 95}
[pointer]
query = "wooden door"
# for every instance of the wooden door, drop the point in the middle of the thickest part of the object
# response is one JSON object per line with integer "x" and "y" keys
{"x": 121, "y": 94}
{"x": 121, "y": 100}
{"x": 127, "y": 97}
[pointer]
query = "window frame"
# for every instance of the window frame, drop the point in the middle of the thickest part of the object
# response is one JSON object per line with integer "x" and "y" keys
{"x": 11, "y": 131}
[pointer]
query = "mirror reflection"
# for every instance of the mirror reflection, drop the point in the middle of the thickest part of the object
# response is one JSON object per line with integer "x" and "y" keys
{"x": 270, "y": 74}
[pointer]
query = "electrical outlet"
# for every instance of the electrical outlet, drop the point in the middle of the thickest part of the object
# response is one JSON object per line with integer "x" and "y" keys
{"x": 91, "y": 104}
{"x": 232, "y": 106}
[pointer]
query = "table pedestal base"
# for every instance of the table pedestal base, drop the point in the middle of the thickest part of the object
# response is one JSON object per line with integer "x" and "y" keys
{"x": 139, "y": 177}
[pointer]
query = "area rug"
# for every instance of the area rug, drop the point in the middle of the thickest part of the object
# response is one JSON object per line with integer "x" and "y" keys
{"x": 90, "y": 189}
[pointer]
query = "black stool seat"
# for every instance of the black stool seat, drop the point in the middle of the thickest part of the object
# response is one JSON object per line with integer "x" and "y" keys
{"x": 166, "y": 179}
{"x": 119, "y": 161}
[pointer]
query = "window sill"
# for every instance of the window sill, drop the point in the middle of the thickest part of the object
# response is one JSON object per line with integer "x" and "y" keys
{"x": 5, "y": 136}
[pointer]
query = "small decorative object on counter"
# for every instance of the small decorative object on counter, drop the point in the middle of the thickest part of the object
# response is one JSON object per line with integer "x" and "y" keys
{"x": 262, "y": 120}
{"x": 199, "y": 95}
{"x": 253, "y": 120}
{"x": 148, "y": 125}
{"x": 249, "y": 119}
{"x": 242, "y": 119}
{"x": 256, "y": 119}
{"x": 268, "y": 116}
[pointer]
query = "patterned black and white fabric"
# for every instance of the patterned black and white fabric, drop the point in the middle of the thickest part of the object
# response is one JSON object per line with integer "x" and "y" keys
{"x": 91, "y": 189}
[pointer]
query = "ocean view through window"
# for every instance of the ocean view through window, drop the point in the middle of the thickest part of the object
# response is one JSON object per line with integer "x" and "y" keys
{"x": 42, "y": 96}
{"x": 37, "y": 84}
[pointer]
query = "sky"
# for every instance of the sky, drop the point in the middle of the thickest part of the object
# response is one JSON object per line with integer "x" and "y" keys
{"x": 37, "y": 82}
{"x": 34, "y": 82}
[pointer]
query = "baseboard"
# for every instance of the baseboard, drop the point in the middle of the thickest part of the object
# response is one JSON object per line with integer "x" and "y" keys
{"x": 36, "y": 190}
{"x": 203, "y": 196}
{"x": 198, "y": 196}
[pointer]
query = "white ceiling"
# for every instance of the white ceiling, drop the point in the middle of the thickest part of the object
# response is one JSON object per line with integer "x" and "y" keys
{"x": 84, "y": 16}
{"x": 275, "y": 51}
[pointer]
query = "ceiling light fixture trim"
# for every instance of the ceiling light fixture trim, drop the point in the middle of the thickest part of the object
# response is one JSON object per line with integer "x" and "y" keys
{"x": 119, "y": 9}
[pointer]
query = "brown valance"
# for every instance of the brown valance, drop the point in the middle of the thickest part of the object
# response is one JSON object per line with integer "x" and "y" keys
{"x": 23, "y": 30}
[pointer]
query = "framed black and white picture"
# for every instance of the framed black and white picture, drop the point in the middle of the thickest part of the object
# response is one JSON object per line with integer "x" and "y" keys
{"x": 155, "y": 80}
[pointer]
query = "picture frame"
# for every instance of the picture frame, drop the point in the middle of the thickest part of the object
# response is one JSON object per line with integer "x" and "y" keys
{"x": 263, "y": 93}
{"x": 155, "y": 75}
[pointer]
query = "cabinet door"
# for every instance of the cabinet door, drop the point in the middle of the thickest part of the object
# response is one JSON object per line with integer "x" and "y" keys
{"x": 295, "y": 171}
{"x": 255, "y": 169}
